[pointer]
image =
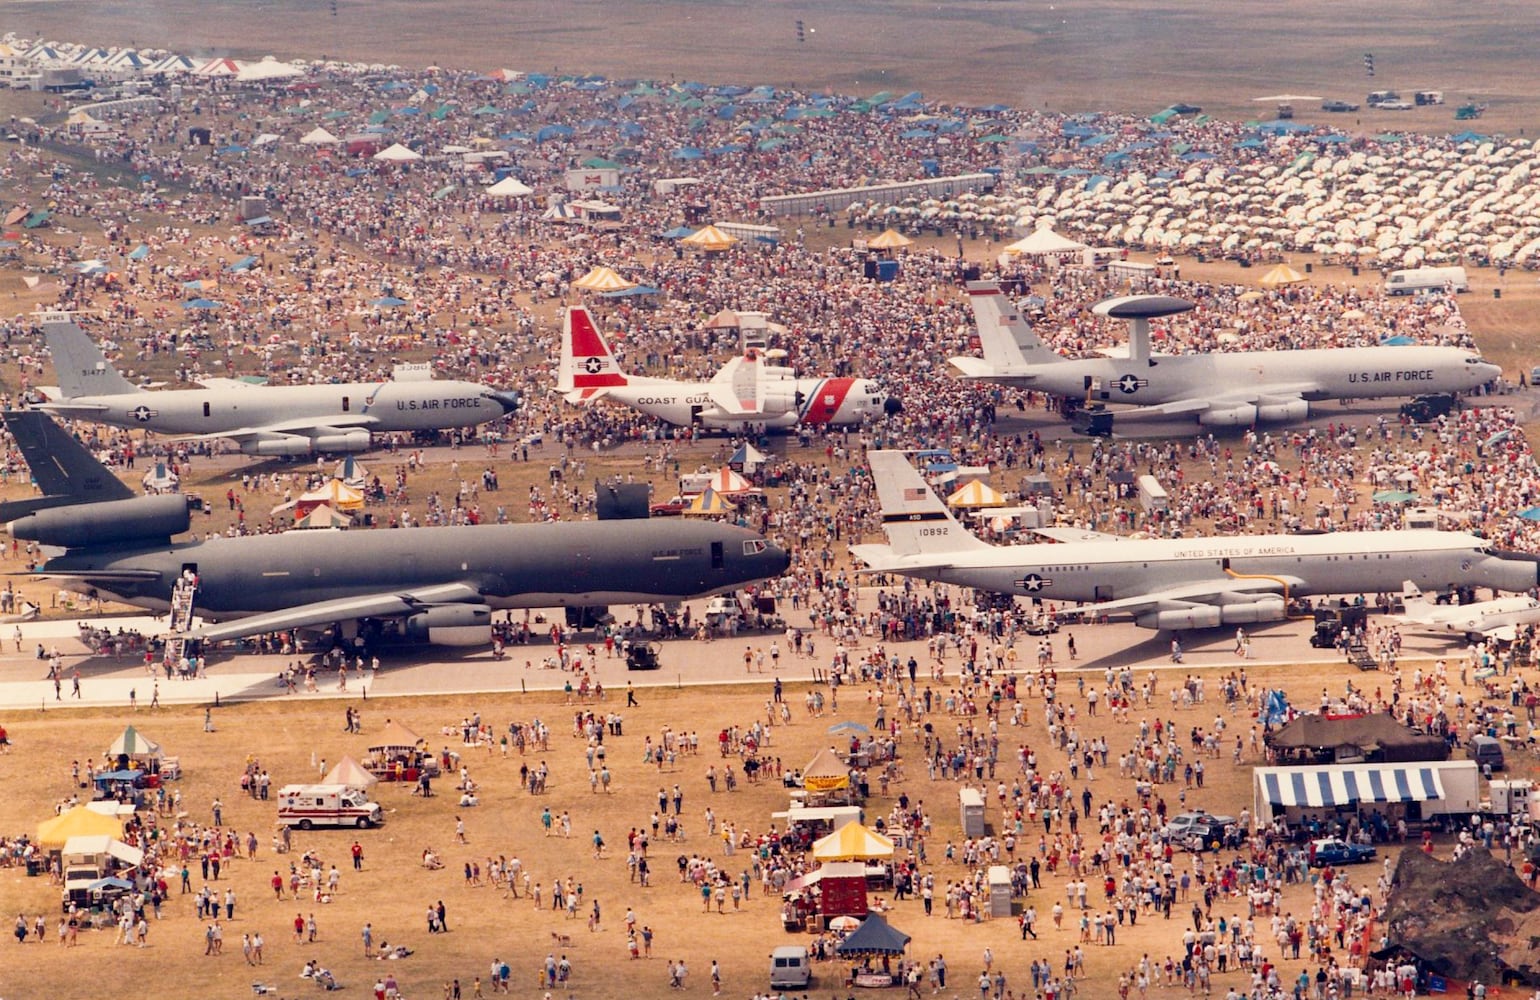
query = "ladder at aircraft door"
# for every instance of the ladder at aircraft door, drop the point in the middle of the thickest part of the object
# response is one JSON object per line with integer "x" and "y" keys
{"x": 181, "y": 618}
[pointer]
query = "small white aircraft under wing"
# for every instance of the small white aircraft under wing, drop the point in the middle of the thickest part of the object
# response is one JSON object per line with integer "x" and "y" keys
{"x": 1496, "y": 619}
{"x": 745, "y": 394}
{"x": 262, "y": 420}
{"x": 1220, "y": 389}
{"x": 1170, "y": 583}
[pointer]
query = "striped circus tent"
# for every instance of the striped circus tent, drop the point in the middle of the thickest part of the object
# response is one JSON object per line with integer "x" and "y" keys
{"x": 889, "y": 239}
{"x": 710, "y": 503}
{"x": 727, "y": 482}
{"x": 976, "y": 494}
{"x": 709, "y": 238}
{"x": 1281, "y": 275}
{"x": 603, "y": 279}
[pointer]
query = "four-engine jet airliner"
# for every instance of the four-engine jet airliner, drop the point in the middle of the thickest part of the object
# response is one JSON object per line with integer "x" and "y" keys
{"x": 263, "y": 420}
{"x": 746, "y": 395}
{"x": 1172, "y": 583}
{"x": 1221, "y": 389}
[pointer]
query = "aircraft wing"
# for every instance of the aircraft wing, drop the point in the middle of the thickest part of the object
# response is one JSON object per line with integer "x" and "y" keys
{"x": 1502, "y": 633}
{"x": 1076, "y": 535}
{"x": 386, "y": 604}
{"x": 1204, "y": 592}
{"x": 66, "y": 408}
{"x": 299, "y": 427}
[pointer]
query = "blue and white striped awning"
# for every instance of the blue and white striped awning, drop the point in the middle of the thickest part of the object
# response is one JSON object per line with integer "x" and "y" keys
{"x": 1346, "y": 785}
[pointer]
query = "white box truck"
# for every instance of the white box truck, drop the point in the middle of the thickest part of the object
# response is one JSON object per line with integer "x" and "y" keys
{"x": 1427, "y": 279}
{"x": 1153, "y": 496}
{"x": 307, "y": 806}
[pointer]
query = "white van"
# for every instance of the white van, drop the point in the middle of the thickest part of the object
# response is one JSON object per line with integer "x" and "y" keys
{"x": 1153, "y": 496}
{"x": 790, "y": 968}
{"x": 1426, "y": 279}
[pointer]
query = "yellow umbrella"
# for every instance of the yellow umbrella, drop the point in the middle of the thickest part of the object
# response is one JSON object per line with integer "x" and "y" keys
{"x": 889, "y": 239}
{"x": 603, "y": 279}
{"x": 1283, "y": 274}
{"x": 709, "y": 238}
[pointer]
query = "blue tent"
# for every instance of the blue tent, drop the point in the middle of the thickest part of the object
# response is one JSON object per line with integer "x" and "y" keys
{"x": 243, "y": 264}
{"x": 553, "y": 132}
{"x": 687, "y": 153}
{"x": 1275, "y": 708}
{"x": 625, "y": 293}
{"x": 201, "y": 304}
{"x": 1252, "y": 143}
{"x": 1530, "y": 514}
{"x": 1195, "y": 155}
{"x": 1399, "y": 340}
{"x": 139, "y": 252}
{"x": 1331, "y": 140}
{"x": 1467, "y": 136}
{"x": 677, "y": 233}
{"x": 388, "y": 301}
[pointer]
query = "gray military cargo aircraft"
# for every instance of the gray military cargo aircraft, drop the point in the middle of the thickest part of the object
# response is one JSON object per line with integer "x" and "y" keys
{"x": 439, "y": 584}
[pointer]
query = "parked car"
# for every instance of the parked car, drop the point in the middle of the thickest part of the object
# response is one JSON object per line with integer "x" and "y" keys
{"x": 1186, "y": 109}
{"x": 1041, "y": 626}
{"x": 1338, "y": 106}
{"x": 1197, "y": 830}
{"x": 1395, "y": 105}
{"x": 669, "y": 508}
{"x": 1332, "y": 851}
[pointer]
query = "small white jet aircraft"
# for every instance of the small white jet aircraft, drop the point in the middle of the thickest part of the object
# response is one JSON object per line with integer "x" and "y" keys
{"x": 1496, "y": 619}
{"x": 1170, "y": 583}
{"x": 1222, "y": 389}
{"x": 747, "y": 394}
{"x": 263, "y": 420}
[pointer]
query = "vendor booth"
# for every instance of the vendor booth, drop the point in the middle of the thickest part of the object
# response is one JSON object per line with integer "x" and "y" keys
{"x": 132, "y": 749}
{"x": 826, "y": 779}
{"x": 53, "y": 834}
{"x": 873, "y": 948}
{"x": 1377, "y": 795}
{"x": 398, "y": 754}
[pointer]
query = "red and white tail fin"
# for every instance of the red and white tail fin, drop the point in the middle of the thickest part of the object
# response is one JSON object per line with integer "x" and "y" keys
{"x": 587, "y": 365}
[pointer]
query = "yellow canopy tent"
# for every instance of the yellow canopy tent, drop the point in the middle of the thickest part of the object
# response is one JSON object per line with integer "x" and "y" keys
{"x": 976, "y": 494}
{"x": 825, "y": 772}
{"x": 1281, "y": 275}
{"x": 889, "y": 239}
{"x": 603, "y": 279}
{"x": 710, "y": 504}
{"x": 852, "y": 842}
{"x": 77, "y": 822}
{"x": 709, "y": 238}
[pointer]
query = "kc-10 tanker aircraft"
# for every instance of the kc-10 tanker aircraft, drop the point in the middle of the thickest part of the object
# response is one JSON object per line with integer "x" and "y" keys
{"x": 441, "y": 584}
{"x": 262, "y": 419}
{"x": 1173, "y": 583}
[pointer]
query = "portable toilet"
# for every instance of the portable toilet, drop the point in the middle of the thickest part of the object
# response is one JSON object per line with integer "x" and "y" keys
{"x": 971, "y": 802}
{"x": 999, "y": 891}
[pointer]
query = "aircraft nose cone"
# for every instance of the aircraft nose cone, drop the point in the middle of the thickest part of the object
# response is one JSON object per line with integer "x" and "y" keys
{"x": 892, "y": 406}
{"x": 509, "y": 401}
{"x": 778, "y": 558}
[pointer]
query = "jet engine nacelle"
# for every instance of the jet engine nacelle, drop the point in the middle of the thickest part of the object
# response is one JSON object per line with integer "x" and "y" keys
{"x": 1243, "y": 415}
{"x": 1175, "y": 619}
{"x": 1291, "y": 409}
{"x": 452, "y": 625}
{"x": 295, "y": 444}
{"x": 1264, "y": 609}
{"x": 107, "y": 523}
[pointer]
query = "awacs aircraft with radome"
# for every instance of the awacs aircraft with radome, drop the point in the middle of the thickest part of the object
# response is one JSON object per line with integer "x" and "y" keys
{"x": 1220, "y": 389}
{"x": 747, "y": 394}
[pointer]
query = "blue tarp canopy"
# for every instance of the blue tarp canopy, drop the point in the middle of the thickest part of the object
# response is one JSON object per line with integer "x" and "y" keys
{"x": 625, "y": 293}
{"x": 139, "y": 252}
{"x": 201, "y": 304}
{"x": 677, "y": 233}
{"x": 388, "y": 301}
{"x": 1530, "y": 514}
{"x": 553, "y": 132}
{"x": 243, "y": 264}
{"x": 263, "y": 220}
{"x": 687, "y": 153}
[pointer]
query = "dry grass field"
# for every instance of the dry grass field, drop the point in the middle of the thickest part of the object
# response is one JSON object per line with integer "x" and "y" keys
{"x": 1072, "y": 55}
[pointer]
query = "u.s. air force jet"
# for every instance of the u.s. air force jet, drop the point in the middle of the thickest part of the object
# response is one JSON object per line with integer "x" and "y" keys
{"x": 1219, "y": 389}
{"x": 440, "y": 584}
{"x": 263, "y": 420}
{"x": 1172, "y": 583}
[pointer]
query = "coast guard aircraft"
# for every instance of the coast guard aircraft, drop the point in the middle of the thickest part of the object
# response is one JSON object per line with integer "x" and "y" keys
{"x": 1495, "y": 619}
{"x": 747, "y": 394}
{"x": 1171, "y": 583}
{"x": 262, "y": 419}
{"x": 1220, "y": 389}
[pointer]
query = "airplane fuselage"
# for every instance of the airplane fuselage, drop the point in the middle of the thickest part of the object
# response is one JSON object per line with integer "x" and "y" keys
{"x": 1317, "y": 374}
{"x": 355, "y": 406}
{"x": 787, "y": 402}
{"x": 1336, "y": 563}
{"x": 1483, "y": 616}
{"x": 512, "y": 566}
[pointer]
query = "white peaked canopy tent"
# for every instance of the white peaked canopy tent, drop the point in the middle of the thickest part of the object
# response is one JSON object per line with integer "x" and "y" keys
{"x": 318, "y": 136}
{"x": 1044, "y": 241}
{"x": 397, "y": 153}
{"x": 510, "y": 187}
{"x": 267, "y": 69}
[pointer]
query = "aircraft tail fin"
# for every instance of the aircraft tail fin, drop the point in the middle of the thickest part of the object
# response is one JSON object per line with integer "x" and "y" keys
{"x": 586, "y": 359}
{"x": 1005, "y": 336}
{"x": 65, "y": 470}
{"x": 82, "y": 367}
{"x": 1412, "y": 599}
{"x": 914, "y": 518}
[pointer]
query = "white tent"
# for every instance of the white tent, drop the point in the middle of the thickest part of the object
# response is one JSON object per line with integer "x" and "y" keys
{"x": 1044, "y": 241}
{"x": 318, "y": 136}
{"x": 510, "y": 187}
{"x": 268, "y": 69}
{"x": 397, "y": 153}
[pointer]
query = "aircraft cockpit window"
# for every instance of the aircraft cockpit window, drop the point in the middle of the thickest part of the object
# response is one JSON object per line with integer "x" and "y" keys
{"x": 754, "y": 546}
{"x": 1475, "y": 359}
